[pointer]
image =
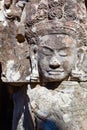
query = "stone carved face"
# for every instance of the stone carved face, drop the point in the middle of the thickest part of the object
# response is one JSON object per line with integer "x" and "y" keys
{"x": 56, "y": 57}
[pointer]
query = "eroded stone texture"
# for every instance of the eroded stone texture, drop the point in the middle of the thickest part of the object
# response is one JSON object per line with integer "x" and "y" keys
{"x": 65, "y": 107}
{"x": 57, "y": 52}
{"x": 57, "y": 33}
{"x": 14, "y": 53}
{"x": 49, "y": 26}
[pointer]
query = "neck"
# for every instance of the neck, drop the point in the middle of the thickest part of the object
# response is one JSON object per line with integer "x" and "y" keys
{"x": 51, "y": 85}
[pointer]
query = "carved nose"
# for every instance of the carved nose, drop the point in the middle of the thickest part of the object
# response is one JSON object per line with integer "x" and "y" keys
{"x": 54, "y": 62}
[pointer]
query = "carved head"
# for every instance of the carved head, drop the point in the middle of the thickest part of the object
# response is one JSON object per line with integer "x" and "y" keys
{"x": 58, "y": 40}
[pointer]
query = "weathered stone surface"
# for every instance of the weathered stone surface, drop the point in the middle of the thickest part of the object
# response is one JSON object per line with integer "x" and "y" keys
{"x": 66, "y": 106}
{"x": 14, "y": 53}
{"x": 13, "y": 56}
{"x": 45, "y": 41}
{"x": 61, "y": 109}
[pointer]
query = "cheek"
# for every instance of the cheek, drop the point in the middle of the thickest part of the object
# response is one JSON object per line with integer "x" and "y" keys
{"x": 69, "y": 62}
{"x": 43, "y": 62}
{"x": 67, "y": 65}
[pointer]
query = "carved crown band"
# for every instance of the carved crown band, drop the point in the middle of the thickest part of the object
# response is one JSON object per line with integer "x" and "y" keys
{"x": 46, "y": 27}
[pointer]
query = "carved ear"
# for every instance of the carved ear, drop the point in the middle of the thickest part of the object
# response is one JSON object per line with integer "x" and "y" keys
{"x": 83, "y": 77}
{"x": 34, "y": 76}
{"x": 80, "y": 56}
{"x": 78, "y": 72}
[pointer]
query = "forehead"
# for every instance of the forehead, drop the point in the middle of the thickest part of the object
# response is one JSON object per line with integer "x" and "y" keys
{"x": 57, "y": 41}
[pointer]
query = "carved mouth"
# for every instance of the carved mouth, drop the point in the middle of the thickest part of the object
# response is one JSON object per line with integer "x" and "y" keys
{"x": 55, "y": 72}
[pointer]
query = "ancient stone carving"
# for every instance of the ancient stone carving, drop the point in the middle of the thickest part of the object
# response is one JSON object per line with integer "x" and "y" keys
{"x": 52, "y": 22}
{"x": 53, "y": 62}
{"x": 56, "y": 29}
{"x": 13, "y": 9}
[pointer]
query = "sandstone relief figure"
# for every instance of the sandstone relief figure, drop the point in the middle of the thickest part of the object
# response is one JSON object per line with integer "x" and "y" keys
{"x": 56, "y": 96}
{"x": 61, "y": 59}
{"x": 58, "y": 50}
{"x": 56, "y": 12}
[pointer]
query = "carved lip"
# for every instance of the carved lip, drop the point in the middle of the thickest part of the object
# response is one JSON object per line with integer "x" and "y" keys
{"x": 55, "y": 72}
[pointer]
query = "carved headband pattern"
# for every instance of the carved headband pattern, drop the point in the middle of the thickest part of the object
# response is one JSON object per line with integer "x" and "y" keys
{"x": 53, "y": 9}
{"x": 54, "y": 16}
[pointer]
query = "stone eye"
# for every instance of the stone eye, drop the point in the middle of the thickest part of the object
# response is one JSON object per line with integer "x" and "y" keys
{"x": 62, "y": 53}
{"x": 47, "y": 51}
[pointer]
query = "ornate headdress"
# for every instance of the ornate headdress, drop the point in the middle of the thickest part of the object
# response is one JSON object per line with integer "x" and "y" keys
{"x": 54, "y": 17}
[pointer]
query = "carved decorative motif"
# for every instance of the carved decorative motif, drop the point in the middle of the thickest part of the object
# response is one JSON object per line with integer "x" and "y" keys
{"x": 45, "y": 45}
{"x": 56, "y": 17}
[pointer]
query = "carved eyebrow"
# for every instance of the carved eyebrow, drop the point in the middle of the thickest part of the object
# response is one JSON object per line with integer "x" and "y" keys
{"x": 63, "y": 48}
{"x": 47, "y": 47}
